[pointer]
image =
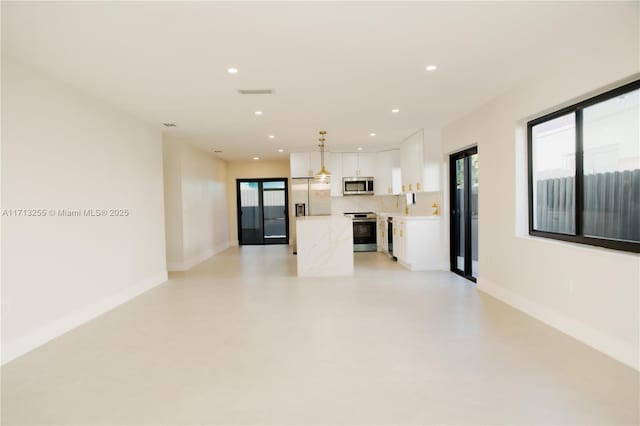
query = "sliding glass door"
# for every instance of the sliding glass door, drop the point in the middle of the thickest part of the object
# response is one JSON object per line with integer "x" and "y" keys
{"x": 464, "y": 213}
{"x": 274, "y": 207}
{"x": 262, "y": 211}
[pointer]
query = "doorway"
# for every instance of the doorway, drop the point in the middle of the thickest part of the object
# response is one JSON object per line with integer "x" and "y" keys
{"x": 463, "y": 167}
{"x": 263, "y": 206}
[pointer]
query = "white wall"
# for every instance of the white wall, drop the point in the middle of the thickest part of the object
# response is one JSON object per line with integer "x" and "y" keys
{"x": 195, "y": 203}
{"x": 589, "y": 293}
{"x": 62, "y": 149}
{"x": 172, "y": 170}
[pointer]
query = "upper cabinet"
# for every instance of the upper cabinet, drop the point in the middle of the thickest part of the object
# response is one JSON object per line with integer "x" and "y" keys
{"x": 306, "y": 164}
{"x": 411, "y": 163}
{"x": 415, "y": 167}
{"x": 388, "y": 179}
{"x": 335, "y": 168}
{"x": 367, "y": 163}
{"x": 432, "y": 162}
{"x": 420, "y": 158}
{"x": 349, "y": 164}
{"x": 358, "y": 164}
{"x": 300, "y": 166}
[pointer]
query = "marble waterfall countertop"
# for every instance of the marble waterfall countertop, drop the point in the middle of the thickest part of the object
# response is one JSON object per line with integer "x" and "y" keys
{"x": 325, "y": 246}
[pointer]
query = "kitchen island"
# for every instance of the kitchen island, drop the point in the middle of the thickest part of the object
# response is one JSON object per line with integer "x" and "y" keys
{"x": 325, "y": 246}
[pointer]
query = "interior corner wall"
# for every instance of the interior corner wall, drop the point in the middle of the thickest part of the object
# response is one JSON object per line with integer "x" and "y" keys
{"x": 66, "y": 152}
{"x": 251, "y": 170}
{"x": 589, "y": 293}
{"x": 195, "y": 203}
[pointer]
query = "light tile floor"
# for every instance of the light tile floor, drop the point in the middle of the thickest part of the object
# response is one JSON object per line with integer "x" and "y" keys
{"x": 240, "y": 340}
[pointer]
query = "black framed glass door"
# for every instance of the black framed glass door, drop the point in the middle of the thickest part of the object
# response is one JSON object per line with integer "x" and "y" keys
{"x": 464, "y": 184}
{"x": 262, "y": 211}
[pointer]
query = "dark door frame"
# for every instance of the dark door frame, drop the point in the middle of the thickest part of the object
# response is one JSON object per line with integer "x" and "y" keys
{"x": 466, "y": 155}
{"x": 261, "y": 205}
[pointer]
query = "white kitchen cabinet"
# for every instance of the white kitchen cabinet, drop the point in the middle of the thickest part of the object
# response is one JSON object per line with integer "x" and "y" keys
{"x": 315, "y": 161}
{"x": 417, "y": 242}
{"x": 355, "y": 164}
{"x": 388, "y": 176}
{"x": 300, "y": 165}
{"x": 421, "y": 162}
{"x": 382, "y": 239}
{"x": 349, "y": 164}
{"x": 415, "y": 167}
{"x": 411, "y": 163}
{"x": 366, "y": 164}
{"x": 398, "y": 239}
{"x": 306, "y": 164}
{"x": 432, "y": 162}
{"x": 335, "y": 167}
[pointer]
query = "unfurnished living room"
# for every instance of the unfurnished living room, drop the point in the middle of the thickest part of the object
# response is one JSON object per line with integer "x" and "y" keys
{"x": 320, "y": 213}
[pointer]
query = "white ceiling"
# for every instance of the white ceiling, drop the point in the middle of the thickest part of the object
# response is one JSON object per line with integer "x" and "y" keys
{"x": 339, "y": 67}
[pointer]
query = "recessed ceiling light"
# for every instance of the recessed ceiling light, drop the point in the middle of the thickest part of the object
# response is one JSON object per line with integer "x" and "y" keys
{"x": 271, "y": 137}
{"x": 431, "y": 67}
{"x": 395, "y": 110}
{"x": 232, "y": 70}
{"x": 281, "y": 150}
{"x": 372, "y": 134}
{"x": 359, "y": 148}
{"x": 258, "y": 113}
{"x": 256, "y": 158}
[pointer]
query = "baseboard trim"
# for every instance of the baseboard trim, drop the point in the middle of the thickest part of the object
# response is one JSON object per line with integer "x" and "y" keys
{"x": 222, "y": 246}
{"x": 190, "y": 263}
{"x": 13, "y": 349}
{"x": 611, "y": 346}
{"x": 423, "y": 267}
{"x": 175, "y": 266}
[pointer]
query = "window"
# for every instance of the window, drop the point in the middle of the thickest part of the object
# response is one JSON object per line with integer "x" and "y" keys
{"x": 584, "y": 171}
{"x": 554, "y": 168}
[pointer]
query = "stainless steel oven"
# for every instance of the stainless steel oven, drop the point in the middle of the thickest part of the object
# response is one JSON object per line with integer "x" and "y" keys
{"x": 357, "y": 186}
{"x": 364, "y": 231}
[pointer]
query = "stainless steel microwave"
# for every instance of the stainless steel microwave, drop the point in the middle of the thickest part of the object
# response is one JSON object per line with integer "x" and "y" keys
{"x": 357, "y": 186}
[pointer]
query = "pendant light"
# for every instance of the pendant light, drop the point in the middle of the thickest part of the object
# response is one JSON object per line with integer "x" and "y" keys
{"x": 323, "y": 175}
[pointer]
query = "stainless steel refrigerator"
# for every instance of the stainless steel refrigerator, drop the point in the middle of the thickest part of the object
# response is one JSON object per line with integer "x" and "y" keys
{"x": 309, "y": 198}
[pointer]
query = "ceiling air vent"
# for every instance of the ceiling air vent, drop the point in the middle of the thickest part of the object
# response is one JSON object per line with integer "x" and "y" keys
{"x": 256, "y": 91}
{"x": 169, "y": 124}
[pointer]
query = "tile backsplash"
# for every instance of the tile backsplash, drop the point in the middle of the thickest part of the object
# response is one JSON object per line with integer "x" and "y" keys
{"x": 354, "y": 203}
{"x": 386, "y": 203}
{"x": 424, "y": 201}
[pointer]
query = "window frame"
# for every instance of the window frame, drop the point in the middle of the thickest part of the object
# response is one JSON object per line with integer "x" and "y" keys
{"x": 579, "y": 236}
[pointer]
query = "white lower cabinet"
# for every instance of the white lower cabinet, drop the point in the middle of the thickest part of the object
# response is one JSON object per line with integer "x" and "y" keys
{"x": 417, "y": 242}
{"x": 399, "y": 241}
{"x": 382, "y": 238}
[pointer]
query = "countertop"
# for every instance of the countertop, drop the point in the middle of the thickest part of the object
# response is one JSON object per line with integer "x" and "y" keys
{"x": 409, "y": 217}
{"x": 323, "y": 217}
{"x": 398, "y": 215}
